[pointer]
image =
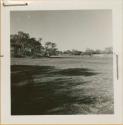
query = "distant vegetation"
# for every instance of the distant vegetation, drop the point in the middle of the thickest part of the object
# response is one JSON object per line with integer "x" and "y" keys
{"x": 22, "y": 45}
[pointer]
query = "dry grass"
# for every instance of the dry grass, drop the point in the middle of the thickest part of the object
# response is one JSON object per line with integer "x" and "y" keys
{"x": 79, "y": 85}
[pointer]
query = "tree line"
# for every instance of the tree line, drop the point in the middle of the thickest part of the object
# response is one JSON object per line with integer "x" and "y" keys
{"x": 22, "y": 45}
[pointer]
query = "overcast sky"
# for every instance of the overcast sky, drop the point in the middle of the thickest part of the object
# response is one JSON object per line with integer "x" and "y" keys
{"x": 76, "y": 29}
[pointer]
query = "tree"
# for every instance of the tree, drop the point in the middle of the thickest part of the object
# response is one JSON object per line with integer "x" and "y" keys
{"x": 89, "y": 52}
{"x": 14, "y": 50}
{"x": 108, "y": 50}
{"x": 50, "y": 49}
{"x": 23, "y": 38}
{"x": 69, "y": 52}
{"x": 23, "y": 45}
{"x": 97, "y": 51}
{"x": 35, "y": 46}
{"x": 76, "y": 52}
{"x": 18, "y": 42}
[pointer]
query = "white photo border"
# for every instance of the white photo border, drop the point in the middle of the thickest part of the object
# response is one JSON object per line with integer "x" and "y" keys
{"x": 117, "y": 11}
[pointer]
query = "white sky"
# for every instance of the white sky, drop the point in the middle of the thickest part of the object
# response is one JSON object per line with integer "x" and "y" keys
{"x": 69, "y": 29}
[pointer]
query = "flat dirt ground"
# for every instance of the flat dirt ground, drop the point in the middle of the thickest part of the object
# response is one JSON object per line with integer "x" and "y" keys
{"x": 61, "y": 86}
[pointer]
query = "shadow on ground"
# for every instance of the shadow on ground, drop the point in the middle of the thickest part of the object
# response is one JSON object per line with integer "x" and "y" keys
{"x": 52, "y": 96}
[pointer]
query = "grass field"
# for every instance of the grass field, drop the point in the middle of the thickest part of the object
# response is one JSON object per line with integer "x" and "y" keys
{"x": 71, "y": 85}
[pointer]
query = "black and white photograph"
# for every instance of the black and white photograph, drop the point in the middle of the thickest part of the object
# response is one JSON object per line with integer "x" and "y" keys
{"x": 61, "y": 62}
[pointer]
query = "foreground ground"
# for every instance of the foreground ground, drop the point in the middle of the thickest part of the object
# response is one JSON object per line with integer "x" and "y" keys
{"x": 72, "y": 85}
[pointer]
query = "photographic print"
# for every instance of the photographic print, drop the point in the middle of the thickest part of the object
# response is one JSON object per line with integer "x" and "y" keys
{"x": 61, "y": 62}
